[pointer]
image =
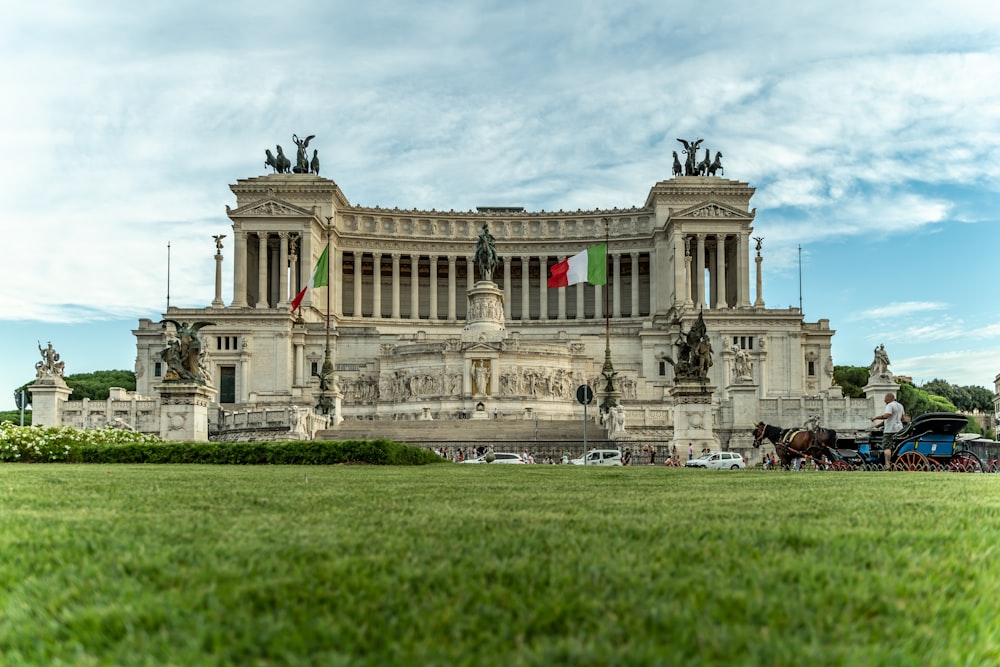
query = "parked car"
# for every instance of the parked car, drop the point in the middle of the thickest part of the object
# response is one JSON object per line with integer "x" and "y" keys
{"x": 600, "y": 457}
{"x": 718, "y": 460}
{"x": 498, "y": 457}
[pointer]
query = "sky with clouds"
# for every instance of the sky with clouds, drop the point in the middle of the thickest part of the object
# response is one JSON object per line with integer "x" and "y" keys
{"x": 871, "y": 132}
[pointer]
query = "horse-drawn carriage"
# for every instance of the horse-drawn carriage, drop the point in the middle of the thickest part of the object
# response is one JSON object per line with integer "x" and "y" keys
{"x": 929, "y": 443}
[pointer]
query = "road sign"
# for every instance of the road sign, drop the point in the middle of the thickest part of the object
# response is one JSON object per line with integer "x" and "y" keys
{"x": 584, "y": 394}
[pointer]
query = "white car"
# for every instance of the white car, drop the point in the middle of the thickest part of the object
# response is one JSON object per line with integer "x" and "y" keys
{"x": 498, "y": 457}
{"x": 718, "y": 460}
{"x": 600, "y": 457}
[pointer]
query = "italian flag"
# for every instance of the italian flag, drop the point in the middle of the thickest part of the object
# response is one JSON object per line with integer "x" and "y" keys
{"x": 320, "y": 277}
{"x": 588, "y": 266}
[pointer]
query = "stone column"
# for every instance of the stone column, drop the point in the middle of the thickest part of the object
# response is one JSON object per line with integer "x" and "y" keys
{"x": 561, "y": 302}
{"x": 759, "y": 301}
{"x": 581, "y": 312}
{"x": 239, "y": 270}
{"x": 414, "y": 286}
{"x": 743, "y": 255}
{"x": 452, "y": 312}
{"x": 506, "y": 288}
{"x": 306, "y": 263}
{"x": 358, "y": 283}
{"x": 699, "y": 272}
{"x": 470, "y": 273}
{"x": 635, "y": 284}
{"x": 335, "y": 281}
{"x": 682, "y": 272}
{"x": 261, "y": 270}
{"x": 217, "y": 301}
{"x": 525, "y": 289}
{"x": 433, "y": 287}
{"x": 543, "y": 288}
{"x": 720, "y": 271}
{"x": 283, "y": 272}
{"x": 598, "y": 302}
{"x": 377, "y": 285}
{"x": 616, "y": 263}
{"x": 395, "y": 285}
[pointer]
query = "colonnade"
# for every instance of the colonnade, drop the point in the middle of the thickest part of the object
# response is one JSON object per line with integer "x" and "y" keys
{"x": 436, "y": 293}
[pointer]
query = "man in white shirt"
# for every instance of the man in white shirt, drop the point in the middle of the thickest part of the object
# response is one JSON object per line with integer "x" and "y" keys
{"x": 892, "y": 423}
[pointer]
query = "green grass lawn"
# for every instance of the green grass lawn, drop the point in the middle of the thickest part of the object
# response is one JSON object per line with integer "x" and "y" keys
{"x": 495, "y": 565}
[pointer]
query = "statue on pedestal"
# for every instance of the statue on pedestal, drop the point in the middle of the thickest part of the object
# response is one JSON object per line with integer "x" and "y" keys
{"x": 185, "y": 354}
{"x": 485, "y": 258}
{"x": 878, "y": 370}
{"x": 50, "y": 366}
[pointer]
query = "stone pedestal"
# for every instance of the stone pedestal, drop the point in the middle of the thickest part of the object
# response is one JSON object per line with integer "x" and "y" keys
{"x": 875, "y": 393}
{"x": 47, "y": 398}
{"x": 693, "y": 419}
{"x": 485, "y": 321}
{"x": 184, "y": 411}
{"x": 743, "y": 398}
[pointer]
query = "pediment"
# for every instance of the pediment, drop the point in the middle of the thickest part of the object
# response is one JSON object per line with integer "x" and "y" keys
{"x": 711, "y": 209}
{"x": 270, "y": 207}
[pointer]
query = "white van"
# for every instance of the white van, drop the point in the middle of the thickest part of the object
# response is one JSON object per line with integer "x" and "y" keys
{"x": 600, "y": 457}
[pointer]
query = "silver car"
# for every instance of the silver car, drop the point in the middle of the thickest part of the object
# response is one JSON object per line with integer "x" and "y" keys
{"x": 719, "y": 461}
{"x": 499, "y": 457}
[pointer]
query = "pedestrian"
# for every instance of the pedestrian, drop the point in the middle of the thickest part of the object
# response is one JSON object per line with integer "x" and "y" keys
{"x": 496, "y": 414}
{"x": 652, "y": 455}
{"x": 690, "y": 452}
{"x": 892, "y": 423}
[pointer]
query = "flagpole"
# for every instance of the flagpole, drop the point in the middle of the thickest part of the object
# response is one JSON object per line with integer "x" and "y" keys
{"x": 608, "y": 370}
{"x": 327, "y": 380}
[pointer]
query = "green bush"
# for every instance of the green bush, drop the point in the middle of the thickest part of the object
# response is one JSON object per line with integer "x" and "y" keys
{"x": 373, "y": 452}
{"x": 27, "y": 444}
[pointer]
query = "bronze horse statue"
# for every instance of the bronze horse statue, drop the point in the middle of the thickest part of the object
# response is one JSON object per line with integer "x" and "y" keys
{"x": 790, "y": 444}
{"x": 716, "y": 165}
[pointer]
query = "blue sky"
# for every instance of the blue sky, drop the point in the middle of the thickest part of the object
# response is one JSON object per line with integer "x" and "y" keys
{"x": 870, "y": 130}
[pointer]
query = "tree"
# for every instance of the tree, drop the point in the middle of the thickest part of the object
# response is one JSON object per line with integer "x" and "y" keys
{"x": 96, "y": 385}
{"x": 851, "y": 379}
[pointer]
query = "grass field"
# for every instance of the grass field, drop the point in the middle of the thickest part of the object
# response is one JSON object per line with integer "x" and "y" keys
{"x": 495, "y": 565}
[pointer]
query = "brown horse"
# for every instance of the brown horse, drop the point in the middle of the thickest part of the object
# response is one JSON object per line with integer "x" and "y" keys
{"x": 790, "y": 444}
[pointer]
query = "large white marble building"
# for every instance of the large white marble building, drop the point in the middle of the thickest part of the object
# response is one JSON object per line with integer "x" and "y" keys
{"x": 400, "y": 331}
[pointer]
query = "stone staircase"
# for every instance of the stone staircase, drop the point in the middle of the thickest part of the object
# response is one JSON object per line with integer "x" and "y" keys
{"x": 455, "y": 432}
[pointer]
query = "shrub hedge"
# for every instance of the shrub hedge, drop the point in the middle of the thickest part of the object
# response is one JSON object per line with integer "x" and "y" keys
{"x": 373, "y": 452}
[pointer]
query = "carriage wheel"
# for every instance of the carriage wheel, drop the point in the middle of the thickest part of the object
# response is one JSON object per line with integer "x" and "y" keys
{"x": 965, "y": 461}
{"x": 839, "y": 465}
{"x": 911, "y": 461}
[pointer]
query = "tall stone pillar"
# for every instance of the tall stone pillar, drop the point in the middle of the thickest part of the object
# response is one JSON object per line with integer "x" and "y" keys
{"x": 395, "y": 285}
{"x": 377, "y": 285}
{"x": 283, "y": 270}
{"x": 506, "y": 287}
{"x": 699, "y": 272}
{"x": 616, "y": 263}
{"x": 217, "y": 301}
{"x": 433, "y": 287}
{"x": 239, "y": 269}
{"x": 525, "y": 288}
{"x": 358, "y": 282}
{"x": 581, "y": 313}
{"x": 720, "y": 271}
{"x": 261, "y": 270}
{"x": 635, "y": 284}
{"x": 543, "y": 288}
{"x": 452, "y": 287}
{"x": 414, "y": 286}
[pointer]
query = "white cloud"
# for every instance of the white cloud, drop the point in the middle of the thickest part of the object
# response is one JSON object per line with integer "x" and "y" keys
{"x": 895, "y": 310}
